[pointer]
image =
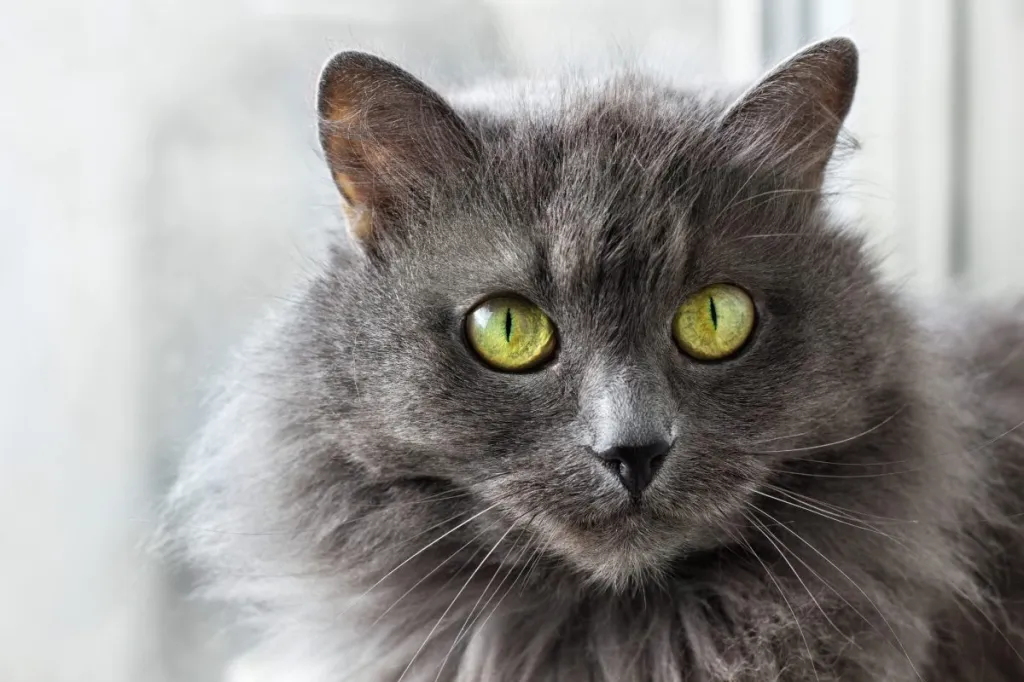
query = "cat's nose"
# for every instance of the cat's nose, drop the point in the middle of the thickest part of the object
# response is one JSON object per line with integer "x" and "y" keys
{"x": 635, "y": 465}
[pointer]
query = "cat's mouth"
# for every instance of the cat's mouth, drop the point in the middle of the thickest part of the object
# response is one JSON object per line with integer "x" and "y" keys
{"x": 610, "y": 537}
{"x": 624, "y": 549}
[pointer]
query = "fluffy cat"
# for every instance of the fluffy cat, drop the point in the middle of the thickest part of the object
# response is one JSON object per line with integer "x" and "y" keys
{"x": 834, "y": 496}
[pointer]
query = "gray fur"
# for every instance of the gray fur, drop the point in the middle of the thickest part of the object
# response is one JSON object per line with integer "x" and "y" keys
{"x": 843, "y": 497}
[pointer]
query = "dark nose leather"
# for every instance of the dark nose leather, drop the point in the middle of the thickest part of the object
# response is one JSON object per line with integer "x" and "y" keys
{"x": 635, "y": 465}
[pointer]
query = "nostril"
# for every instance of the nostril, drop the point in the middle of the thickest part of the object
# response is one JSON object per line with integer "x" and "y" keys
{"x": 615, "y": 466}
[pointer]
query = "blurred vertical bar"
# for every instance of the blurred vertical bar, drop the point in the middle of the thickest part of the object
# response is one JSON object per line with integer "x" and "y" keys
{"x": 741, "y": 39}
{"x": 960, "y": 161}
{"x": 903, "y": 118}
{"x": 786, "y": 26}
{"x": 993, "y": 143}
{"x": 929, "y": 134}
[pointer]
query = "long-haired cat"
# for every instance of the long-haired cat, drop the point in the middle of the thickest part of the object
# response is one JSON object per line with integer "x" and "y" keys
{"x": 599, "y": 391}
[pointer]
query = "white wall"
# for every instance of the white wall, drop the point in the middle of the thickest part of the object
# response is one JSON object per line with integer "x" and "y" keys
{"x": 70, "y": 472}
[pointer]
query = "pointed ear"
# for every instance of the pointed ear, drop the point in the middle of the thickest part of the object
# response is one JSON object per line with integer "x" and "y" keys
{"x": 789, "y": 122}
{"x": 388, "y": 139}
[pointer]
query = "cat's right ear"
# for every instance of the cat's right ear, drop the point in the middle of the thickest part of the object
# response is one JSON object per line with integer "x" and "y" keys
{"x": 388, "y": 139}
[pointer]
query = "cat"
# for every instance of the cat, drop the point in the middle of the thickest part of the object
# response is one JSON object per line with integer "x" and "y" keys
{"x": 597, "y": 389}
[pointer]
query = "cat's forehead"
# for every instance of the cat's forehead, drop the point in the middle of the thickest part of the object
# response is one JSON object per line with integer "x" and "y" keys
{"x": 604, "y": 183}
{"x": 632, "y": 189}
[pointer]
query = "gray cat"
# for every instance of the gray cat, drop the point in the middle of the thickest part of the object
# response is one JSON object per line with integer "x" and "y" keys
{"x": 603, "y": 393}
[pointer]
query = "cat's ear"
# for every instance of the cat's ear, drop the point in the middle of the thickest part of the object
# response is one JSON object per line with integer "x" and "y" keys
{"x": 388, "y": 139}
{"x": 789, "y": 122}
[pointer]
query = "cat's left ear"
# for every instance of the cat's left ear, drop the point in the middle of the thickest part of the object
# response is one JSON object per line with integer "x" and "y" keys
{"x": 389, "y": 141}
{"x": 789, "y": 122}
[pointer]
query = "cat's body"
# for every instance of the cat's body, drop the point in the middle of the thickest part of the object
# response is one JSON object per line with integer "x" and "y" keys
{"x": 842, "y": 500}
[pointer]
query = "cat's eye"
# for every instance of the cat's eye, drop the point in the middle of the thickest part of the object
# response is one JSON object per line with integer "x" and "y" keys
{"x": 511, "y": 334}
{"x": 714, "y": 323}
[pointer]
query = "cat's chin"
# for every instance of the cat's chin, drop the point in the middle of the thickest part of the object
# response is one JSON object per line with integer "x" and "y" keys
{"x": 628, "y": 552}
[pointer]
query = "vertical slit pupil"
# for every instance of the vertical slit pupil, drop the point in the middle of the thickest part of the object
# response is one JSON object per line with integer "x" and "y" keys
{"x": 508, "y": 325}
{"x": 713, "y": 310}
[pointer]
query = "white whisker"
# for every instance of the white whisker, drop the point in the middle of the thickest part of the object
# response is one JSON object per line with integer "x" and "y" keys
{"x": 466, "y": 623}
{"x": 432, "y": 572}
{"x": 534, "y": 556}
{"x": 809, "y": 474}
{"x": 850, "y": 514}
{"x": 782, "y": 593}
{"x": 779, "y": 545}
{"x": 824, "y": 515}
{"x": 864, "y": 594}
{"x": 838, "y": 442}
{"x": 425, "y": 548}
{"x": 817, "y": 575}
{"x": 452, "y": 604}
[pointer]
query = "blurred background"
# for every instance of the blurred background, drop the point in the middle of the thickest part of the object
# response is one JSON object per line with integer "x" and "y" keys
{"x": 160, "y": 184}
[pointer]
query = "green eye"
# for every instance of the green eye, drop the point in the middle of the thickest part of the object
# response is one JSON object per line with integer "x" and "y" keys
{"x": 510, "y": 334}
{"x": 714, "y": 323}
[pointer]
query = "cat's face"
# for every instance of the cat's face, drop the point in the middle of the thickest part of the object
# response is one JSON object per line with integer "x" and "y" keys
{"x": 619, "y": 449}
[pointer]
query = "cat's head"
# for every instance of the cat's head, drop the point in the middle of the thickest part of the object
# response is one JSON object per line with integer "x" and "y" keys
{"x": 610, "y": 320}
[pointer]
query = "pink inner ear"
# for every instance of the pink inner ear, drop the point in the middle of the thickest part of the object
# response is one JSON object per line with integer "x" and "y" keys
{"x": 388, "y": 138}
